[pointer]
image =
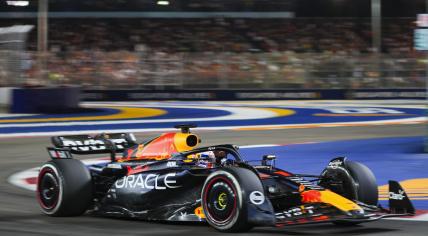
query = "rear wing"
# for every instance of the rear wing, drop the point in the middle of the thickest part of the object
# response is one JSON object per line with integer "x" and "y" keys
{"x": 104, "y": 143}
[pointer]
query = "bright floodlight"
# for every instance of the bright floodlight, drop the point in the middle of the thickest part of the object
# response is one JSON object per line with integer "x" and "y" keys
{"x": 163, "y": 3}
{"x": 17, "y": 3}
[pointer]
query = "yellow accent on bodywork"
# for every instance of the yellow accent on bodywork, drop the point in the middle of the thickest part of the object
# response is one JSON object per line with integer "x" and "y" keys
{"x": 338, "y": 201}
{"x": 180, "y": 142}
{"x": 199, "y": 212}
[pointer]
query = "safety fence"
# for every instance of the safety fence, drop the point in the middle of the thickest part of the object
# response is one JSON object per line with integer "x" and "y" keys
{"x": 286, "y": 70}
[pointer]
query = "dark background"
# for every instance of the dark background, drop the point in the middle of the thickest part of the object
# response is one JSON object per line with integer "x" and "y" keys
{"x": 302, "y": 8}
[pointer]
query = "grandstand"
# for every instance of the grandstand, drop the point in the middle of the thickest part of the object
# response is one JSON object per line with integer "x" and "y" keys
{"x": 315, "y": 35}
{"x": 221, "y": 45}
{"x": 155, "y": 46}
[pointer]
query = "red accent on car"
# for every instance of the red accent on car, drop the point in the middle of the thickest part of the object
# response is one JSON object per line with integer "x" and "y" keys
{"x": 302, "y": 221}
{"x": 320, "y": 218}
{"x": 283, "y": 173}
{"x": 39, "y": 198}
{"x": 264, "y": 176}
{"x": 129, "y": 154}
{"x": 311, "y": 196}
{"x": 136, "y": 170}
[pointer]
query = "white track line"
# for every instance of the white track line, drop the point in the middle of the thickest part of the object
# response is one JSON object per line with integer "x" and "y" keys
{"x": 423, "y": 217}
{"x": 415, "y": 120}
{"x": 236, "y": 113}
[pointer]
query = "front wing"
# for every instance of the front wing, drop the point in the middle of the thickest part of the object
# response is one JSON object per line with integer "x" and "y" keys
{"x": 318, "y": 213}
{"x": 399, "y": 206}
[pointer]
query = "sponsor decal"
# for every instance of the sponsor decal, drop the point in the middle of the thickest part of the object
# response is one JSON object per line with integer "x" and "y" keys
{"x": 171, "y": 164}
{"x": 148, "y": 181}
{"x": 114, "y": 166}
{"x": 335, "y": 164}
{"x": 166, "y": 95}
{"x": 277, "y": 95}
{"x": 257, "y": 198}
{"x": 388, "y": 94}
{"x": 306, "y": 183}
{"x": 91, "y": 144}
{"x": 397, "y": 196}
{"x": 295, "y": 211}
{"x": 58, "y": 154}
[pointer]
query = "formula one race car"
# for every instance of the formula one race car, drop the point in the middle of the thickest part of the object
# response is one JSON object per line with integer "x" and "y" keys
{"x": 168, "y": 178}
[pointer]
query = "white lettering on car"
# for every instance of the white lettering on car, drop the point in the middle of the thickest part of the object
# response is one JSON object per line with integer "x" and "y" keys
{"x": 171, "y": 164}
{"x": 336, "y": 163}
{"x": 168, "y": 182}
{"x": 397, "y": 196}
{"x": 150, "y": 181}
{"x": 296, "y": 211}
{"x": 257, "y": 198}
{"x": 91, "y": 144}
{"x": 148, "y": 178}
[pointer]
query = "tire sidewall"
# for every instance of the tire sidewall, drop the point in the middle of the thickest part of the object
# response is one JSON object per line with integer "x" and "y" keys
{"x": 360, "y": 182}
{"x": 75, "y": 187}
{"x": 238, "y": 213}
{"x": 366, "y": 186}
{"x": 59, "y": 178}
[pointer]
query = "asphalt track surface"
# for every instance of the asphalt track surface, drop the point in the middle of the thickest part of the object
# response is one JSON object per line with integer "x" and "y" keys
{"x": 20, "y": 214}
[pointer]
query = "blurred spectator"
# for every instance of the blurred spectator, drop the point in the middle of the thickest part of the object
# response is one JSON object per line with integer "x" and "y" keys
{"x": 225, "y": 35}
{"x": 247, "y": 53}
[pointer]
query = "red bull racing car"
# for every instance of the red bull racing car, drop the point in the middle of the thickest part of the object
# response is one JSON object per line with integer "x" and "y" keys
{"x": 170, "y": 178}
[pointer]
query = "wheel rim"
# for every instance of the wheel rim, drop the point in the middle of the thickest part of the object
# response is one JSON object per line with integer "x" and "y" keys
{"x": 220, "y": 200}
{"x": 48, "y": 189}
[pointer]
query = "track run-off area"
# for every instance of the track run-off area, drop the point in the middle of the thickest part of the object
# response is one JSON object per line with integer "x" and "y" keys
{"x": 160, "y": 116}
{"x": 387, "y": 136}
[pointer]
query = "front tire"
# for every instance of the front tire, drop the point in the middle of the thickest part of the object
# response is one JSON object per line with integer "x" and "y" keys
{"x": 64, "y": 188}
{"x": 223, "y": 202}
{"x": 358, "y": 183}
{"x": 367, "y": 189}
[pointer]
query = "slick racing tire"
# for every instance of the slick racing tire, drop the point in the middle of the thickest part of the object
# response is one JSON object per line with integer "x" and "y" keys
{"x": 64, "y": 188}
{"x": 359, "y": 183}
{"x": 367, "y": 190}
{"x": 223, "y": 201}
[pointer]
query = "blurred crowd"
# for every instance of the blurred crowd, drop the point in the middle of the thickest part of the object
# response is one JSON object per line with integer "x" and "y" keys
{"x": 228, "y": 35}
{"x": 229, "y": 53}
{"x": 147, "y": 70}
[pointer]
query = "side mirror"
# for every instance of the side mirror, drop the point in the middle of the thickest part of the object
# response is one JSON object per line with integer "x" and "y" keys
{"x": 269, "y": 160}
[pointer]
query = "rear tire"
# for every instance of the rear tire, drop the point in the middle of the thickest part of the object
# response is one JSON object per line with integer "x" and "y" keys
{"x": 64, "y": 188}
